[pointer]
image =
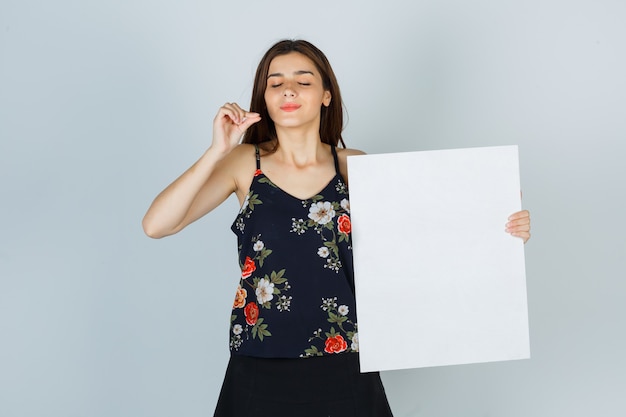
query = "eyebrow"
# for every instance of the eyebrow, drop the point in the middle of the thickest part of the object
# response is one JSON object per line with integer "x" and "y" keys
{"x": 301, "y": 72}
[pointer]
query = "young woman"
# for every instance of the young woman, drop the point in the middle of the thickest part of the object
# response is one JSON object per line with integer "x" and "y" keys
{"x": 294, "y": 331}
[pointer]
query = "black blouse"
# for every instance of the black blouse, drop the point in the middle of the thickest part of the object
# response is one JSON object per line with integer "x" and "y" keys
{"x": 296, "y": 293}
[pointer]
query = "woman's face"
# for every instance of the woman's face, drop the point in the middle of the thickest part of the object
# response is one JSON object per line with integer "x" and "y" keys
{"x": 295, "y": 94}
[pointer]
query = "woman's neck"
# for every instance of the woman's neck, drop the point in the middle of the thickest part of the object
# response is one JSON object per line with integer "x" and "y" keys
{"x": 299, "y": 148}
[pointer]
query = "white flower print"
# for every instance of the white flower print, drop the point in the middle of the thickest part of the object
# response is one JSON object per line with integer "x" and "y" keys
{"x": 345, "y": 204}
{"x": 341, "y": 188}
{"x": 244, "y": 206}
{"x": 298, "y": 226}
{"x": 343, "y": 310}
{"x": 284, "y": 303}
{"x": 333, "y": 264}
{"x": 240, "y": 225}
{"x": 258, "y": 245}
{"x": 264, "y": 291}
{"x": 355, "y": 342}
{"x": 328, "y": 303}
{"x": 323, "y": 252}
{"x": 321, "y": 212}
{"x": 237, "y": 329}
{"x": 236, "y": 342}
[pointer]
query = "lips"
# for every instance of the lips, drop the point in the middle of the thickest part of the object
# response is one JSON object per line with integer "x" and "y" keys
{"x": 290, "y": 107}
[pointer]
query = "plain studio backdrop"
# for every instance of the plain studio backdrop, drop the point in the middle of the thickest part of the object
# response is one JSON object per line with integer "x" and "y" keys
{"x": 102, "y": 104}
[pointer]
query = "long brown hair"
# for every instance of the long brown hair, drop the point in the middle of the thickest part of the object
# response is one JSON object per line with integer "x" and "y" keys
{"x": 331, "y": 119}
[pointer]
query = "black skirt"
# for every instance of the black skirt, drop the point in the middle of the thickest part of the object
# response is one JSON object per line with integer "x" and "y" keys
{"x": 327, "y": 386}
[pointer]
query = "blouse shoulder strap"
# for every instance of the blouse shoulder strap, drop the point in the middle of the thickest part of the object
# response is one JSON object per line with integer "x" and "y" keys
{"x": 258, "y": 156}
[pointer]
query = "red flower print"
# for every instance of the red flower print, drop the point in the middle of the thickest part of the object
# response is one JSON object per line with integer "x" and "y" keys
{"x": 335, "y": 344}
{"x": 248, "y": 268}
{"x": 252, "y": 313}
{"x": 344, "y": 224}
{"x": 257, "y": 172}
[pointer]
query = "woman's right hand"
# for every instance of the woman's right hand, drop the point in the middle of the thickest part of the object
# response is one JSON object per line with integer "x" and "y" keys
{"x": 229, "y": 125}
{"x": 204, "y": 185}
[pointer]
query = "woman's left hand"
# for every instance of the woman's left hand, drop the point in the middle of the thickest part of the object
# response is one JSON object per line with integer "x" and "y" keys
{"x": 519, "y": 225}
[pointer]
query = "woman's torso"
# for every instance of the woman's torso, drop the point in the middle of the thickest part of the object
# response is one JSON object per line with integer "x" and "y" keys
{"x": 295, "y": 296}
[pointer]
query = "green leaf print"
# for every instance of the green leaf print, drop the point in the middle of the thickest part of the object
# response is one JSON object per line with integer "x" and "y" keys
{"x": 264, "y": 254}
{"x": 312, "y": 351}
{"x": 277, "y": 277}
{"x": 254, "y": 199}
{"x": 332, "y": 332}
{"x": 265, "y": 180}
{"x": 332, "y": 246}
{"x": 260, "y": 329}
{"x": 334, "y": 318}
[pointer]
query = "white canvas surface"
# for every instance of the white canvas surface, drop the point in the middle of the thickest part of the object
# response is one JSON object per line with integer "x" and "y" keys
{"x": 438, "y": 281}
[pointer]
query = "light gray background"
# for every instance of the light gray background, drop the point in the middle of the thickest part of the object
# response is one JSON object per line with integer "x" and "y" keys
{"x": 103, "y": 103}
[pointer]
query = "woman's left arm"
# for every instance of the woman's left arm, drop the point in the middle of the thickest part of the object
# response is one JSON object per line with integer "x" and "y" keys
{"x": 519, "y": 225}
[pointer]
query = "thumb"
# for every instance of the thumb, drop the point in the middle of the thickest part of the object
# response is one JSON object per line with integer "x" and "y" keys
{"x": 249, "y": 120}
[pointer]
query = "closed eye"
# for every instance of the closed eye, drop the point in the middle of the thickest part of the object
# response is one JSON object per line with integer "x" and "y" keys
{"x": 278, "y": 85}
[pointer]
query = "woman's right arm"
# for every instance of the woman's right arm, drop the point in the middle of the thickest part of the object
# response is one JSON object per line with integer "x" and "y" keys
{"x": 207, "y": 183}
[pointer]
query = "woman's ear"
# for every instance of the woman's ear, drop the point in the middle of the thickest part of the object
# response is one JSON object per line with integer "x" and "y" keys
{"x": 327, "y": 98}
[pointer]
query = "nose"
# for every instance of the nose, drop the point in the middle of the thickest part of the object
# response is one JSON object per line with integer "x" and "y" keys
{"x": 289, "y": 89}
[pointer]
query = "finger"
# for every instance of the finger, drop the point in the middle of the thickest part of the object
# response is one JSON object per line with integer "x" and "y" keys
{"x": 522, "y": 235}
{"x": 227, "y": 112}
{"x": 519, "y": 222}
{"x": 248, "y": 120}
{"x": 518, "y": 229}
{"x": 236, "y": 113}
{"x": 517, "y": 225}
{"x": 239, "y": 115}
{"x": 233, "y": 112}
{"x": 519, "y": 215}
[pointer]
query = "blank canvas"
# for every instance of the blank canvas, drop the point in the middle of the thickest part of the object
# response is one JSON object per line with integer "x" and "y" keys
{"x": 438, "y": 281}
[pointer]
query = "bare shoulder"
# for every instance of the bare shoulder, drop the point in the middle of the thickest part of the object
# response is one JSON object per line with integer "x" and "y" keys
{"x": 342, "y": 155}
{"x": 240, "y": 165}
{"x": 239, "y": 158}
{"x": 245, "y": 150}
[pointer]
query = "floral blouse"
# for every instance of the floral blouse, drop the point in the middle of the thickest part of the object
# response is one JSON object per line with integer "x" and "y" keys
{"x": 295, "y": 297}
